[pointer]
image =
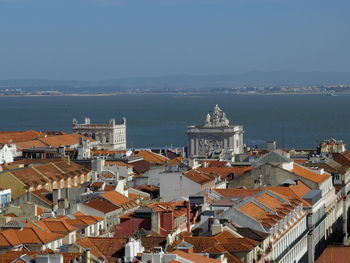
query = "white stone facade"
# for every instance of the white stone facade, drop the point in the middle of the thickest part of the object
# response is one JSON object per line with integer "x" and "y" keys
{"x": 216, "y": 135}
{"x": 7, "y": 153}
{"x": 110, "y": 135}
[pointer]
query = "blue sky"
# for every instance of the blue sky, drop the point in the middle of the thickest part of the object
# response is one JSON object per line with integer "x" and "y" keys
{"x": 105, "y": 39}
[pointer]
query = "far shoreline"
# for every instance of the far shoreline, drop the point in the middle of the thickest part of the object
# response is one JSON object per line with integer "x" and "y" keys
{"x": 184, "y": 94}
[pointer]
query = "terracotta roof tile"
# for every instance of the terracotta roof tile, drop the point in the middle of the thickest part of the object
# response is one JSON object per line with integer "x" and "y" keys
{"x": 233, "y": 192}
{"x": 19, "y": 136}
{"x": 141, "y": 167}
{"x": 253, "y": 211}
{"x": 30, "y": 144}
{"x": 199, "y": 177}
{"x": 41, "y": 195}
{"x": 115, "y": 198}
{"x": 195, "y": 258}
{"x": 66, "y": 140}
{"x": 105, "y": 248}
{"x": 309, "y": 174}
{"x": 107, "y": 152}
{"x": 335, "y": 254}
{"x": 153, "y": 158}
{"x": 56, "y": 226}
{"x": 30, "y": 234}
{"x": 224, "y": 172}
{"x": 101, "y": 205}
{"x": 117, "y": 163}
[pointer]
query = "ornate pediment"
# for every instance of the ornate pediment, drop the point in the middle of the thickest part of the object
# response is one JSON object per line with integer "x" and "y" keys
{"x": 216, "y": 118}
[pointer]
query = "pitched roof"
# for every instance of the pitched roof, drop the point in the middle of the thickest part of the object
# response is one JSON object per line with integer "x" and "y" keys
{"x": 56, "y": 226}
{"x": 29, "y": 176}
{"x": 31, "y": 234}
{"x": 103, "y": 247}
{"x": 224, "y": 172}
{"x": 117, "y": 163}
{"x": 224, "y": 242}
{"x": 292, "y": 191}
{"x": 310, "y": 174}
{"x": 141, "y": 166}
{"x": 150, "y": 242}
{"x": 42, "y": 195}
{"x": 335, "y": 254}
{"x": 19, "y": 136}
{"x": 115, "y": 198}
{"x": 194, "y": 257}
{"x": 10, "y": 255}
{"x": 199, "y": 177}
{"x": 252, "y": 233}
{"x": 273, "y": 157}
{"x": 265, "y": 206}
{"x": 342, "y": 158}
{"x": 47, "y": 172}
{"x": 66, "y": 140}
{"x": 101, "y": 205}
{"x": 236, "y": 192}
{"x": 31, "y": 144}
{"x": 151, "y": 157}
{"x": 176, "y": 161}
{"x": 107, "y": 152}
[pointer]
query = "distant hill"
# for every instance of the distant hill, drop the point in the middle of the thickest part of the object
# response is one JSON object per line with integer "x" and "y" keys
{"x": 270, "y": 78}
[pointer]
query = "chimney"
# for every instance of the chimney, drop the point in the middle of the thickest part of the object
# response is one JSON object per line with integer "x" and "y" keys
{"x": 271, "y": 146}
{"x": 216, "y": 227}
{"x": 61, "y": 150}
{"x": 155, "y": 222}
{"x": 185, "y": 246}
{"x": 86, "y": 255}
{"x": 188, "y": 224}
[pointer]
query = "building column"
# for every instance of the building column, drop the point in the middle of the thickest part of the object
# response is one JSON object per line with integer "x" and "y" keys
{"x": 310, "y": 247}
{"x": 345, "y": 219}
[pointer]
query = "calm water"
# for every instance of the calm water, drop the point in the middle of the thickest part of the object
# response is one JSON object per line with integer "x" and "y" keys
{"x": 161, "y": 120}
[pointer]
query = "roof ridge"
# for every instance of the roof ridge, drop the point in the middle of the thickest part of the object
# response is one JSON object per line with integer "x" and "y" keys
{"x": 39, "y": 139}
{"x": 41, "y": 173}
{"x": 264, "y": 207}
{"x": 59, "y": 169}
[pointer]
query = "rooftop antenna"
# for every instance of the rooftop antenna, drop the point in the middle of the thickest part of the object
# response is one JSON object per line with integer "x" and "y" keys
{"x": 167, "y": 159}
{"x": 282, "y": 137}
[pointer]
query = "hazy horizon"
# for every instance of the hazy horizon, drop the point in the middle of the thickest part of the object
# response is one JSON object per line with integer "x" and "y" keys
{"x": 111, "y": 39}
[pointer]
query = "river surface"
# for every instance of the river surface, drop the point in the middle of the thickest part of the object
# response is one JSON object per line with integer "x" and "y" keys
{"x": 161, "y": 120}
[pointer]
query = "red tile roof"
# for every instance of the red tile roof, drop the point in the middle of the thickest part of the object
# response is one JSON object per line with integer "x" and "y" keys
{"x": 195, "y": 257}
{"x": 310, "y": 174}
{"x": 223, "y": 242}
{"x": 224, "y": 172}
{"x": 115, "y": 198}
{"x": 342, "y": 158}
{"x": 151, "y": 157}
{"x": 101, "y": 205}
{"x": 19, "y": 136}
{"x": 65, "y": 140}
{"x": 104, "y": 248}
{"x": 199, "y": 177}
{"x": 335, "y": 254}
{"x": 30, "y": 234}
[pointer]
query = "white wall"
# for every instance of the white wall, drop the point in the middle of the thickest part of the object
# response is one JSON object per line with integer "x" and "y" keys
{"x": 6, "y": 154}
{"x": 174, "y": 186}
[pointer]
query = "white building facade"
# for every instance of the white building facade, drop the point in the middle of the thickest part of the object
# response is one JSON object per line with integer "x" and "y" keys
{"x": 110, "y": 135}
{"x": 7, "y": 153}
{"x": 215, "y": 136}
